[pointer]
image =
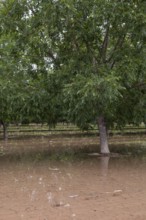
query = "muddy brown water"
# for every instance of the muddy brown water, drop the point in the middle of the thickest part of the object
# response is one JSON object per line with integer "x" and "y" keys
{"x": 91, "y": 188}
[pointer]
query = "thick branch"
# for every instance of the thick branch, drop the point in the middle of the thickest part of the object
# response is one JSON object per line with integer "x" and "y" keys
{"x": 112, "y": 64}
{"x": 141, "y": 85}
{"x": 105, "y": 44}
{"x": 119, "y": 45}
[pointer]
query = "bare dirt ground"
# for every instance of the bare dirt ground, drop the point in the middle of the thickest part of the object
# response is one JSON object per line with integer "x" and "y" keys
{"x": 94, "y": 188}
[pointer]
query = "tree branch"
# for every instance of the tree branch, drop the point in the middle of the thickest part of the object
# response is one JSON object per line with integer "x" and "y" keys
{"x": 105, "y": 43}
{"x": 119, "y": 45}
{"x": 141, "y": 85}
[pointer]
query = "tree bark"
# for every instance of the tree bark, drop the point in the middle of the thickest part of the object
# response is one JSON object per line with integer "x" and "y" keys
{"x": 104, "y": 149}
{"x": 5, "y": 131}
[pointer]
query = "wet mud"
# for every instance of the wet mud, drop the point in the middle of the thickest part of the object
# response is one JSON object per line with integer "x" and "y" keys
{"x": 83, "y": 188}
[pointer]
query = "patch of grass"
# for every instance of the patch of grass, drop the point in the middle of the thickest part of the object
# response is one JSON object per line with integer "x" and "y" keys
{"x": 40, "y": 156}
{"x": 130, "y": 149}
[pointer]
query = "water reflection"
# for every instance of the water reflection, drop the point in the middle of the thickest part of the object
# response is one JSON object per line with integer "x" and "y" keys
{"x": 51, "y": 189}
{"x": 104, "y": 165}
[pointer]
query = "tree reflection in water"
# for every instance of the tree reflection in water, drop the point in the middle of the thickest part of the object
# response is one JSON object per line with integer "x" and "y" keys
{"x": 104, "y": 165}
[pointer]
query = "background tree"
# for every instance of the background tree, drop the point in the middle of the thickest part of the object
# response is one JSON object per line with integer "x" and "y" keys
{"x": 28, "y": 87}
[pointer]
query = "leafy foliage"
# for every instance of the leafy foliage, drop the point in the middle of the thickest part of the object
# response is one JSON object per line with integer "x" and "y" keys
{"x": 73, "y": 59}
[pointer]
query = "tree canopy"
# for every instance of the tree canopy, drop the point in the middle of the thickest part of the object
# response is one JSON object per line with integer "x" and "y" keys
{"x": 85, "y": 59}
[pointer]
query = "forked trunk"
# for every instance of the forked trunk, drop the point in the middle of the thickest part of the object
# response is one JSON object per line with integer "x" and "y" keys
{"x": 104, "y": 149}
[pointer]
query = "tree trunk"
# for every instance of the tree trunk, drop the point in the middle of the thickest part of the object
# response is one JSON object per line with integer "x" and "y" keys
{"x": 5, "y": 131}
{"x": 104, "y": 149}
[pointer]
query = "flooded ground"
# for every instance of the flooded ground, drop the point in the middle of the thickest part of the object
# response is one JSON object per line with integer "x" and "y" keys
{"x": 34, "y": 186}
